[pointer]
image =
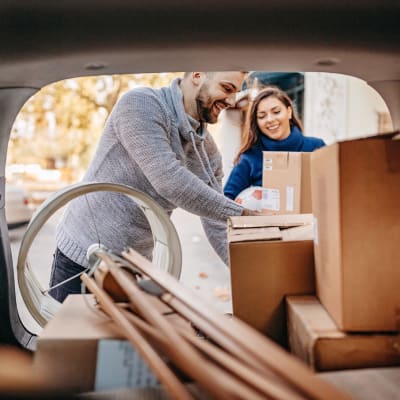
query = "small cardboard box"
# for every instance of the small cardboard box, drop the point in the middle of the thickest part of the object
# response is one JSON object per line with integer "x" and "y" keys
{"x": 286, "y": 176}
{"x": 355, "y": 195}
{"x": 79, "y": 347}
{"x": 270, "y": 257}
{"x": 314, "y": 337}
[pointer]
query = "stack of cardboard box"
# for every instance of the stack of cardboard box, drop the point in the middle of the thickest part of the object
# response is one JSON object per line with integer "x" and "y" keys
{"x": 272, "y": 256}
{"x": 353, "y": 319}
{"x": 355, "y": 197}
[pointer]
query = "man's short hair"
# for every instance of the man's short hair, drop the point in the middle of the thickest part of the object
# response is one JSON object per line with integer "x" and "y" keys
{"x": 211, "y": 73}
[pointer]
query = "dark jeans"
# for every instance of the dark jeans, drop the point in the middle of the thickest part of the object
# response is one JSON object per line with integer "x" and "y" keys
{"x": 62, "y": 269}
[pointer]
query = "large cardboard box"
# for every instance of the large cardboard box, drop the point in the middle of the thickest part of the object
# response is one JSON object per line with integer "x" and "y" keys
{"x": 286, "y": 176}
{"x": 270, "y": 257}
{"x": 355, "y": 195}
{"x": 314, "y": 337}
{"x": 80, "y": 349}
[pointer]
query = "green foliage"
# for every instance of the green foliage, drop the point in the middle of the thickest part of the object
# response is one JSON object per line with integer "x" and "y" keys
{"x": 62, "y": 123}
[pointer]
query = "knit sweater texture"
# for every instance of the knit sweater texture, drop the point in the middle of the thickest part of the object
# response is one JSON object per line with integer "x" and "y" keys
{"x": 248, "y": 171}
{"x": 150, "y": 144}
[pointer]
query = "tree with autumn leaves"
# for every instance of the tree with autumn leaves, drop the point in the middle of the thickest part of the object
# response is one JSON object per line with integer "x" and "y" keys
{"x": 61, "y": 124}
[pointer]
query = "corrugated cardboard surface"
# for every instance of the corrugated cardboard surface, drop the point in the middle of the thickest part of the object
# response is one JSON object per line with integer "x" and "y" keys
{"x": 327, "y": 243}
{"x": 356, "y": 191}
{"x": 287, "y": 175}
{"x": 266, "y": 221}
{"x": 66, "y": 350}
{"x": 263, "y": 271}
{"x": 314, "y": 337}
{"x": 305, "y": 192}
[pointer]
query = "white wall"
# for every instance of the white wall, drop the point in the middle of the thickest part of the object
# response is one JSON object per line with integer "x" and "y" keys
{"x": 325, "y": 106}
{"x": 227, "y": 133}
{"x": 364, "y": 106}
{"x": 339, "y": 107}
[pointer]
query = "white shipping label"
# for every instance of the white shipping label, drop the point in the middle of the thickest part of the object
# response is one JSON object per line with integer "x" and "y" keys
{"x": 271, "y": 199}
{"x": 315, "y": 231}
{"x": 120, "y": 366}
{"x": 289, "y": 198}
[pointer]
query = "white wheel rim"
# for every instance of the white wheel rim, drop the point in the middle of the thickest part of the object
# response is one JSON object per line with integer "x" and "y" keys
{"x": 167, "y": 253}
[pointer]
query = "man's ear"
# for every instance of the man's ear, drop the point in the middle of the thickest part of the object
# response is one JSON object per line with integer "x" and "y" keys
{"x": 198, "y": 78}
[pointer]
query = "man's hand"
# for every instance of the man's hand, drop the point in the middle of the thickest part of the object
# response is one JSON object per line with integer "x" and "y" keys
{"x": 246, "y": 212}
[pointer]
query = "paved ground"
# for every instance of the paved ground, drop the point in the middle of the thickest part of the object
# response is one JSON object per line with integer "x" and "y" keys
{"x": 202, "y": 270}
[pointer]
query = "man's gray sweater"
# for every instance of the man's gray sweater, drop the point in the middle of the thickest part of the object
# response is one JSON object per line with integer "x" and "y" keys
{"x": 150, "y": 144}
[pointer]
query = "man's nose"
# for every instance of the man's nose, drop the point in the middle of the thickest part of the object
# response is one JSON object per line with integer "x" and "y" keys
{"x": 231, "y": 100}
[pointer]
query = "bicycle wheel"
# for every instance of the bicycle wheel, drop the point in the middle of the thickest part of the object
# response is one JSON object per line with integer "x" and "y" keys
{"x": 167, "y": 253}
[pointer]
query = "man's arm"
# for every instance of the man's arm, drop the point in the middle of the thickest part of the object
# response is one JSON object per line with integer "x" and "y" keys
{"x": 141, "y": 124}
{"x": 217, "y": 235}
{"x": 216, "y": 231}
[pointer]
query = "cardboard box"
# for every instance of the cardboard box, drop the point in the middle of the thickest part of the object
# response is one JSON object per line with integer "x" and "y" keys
{"x": 267, "y": 263}
{"x": 79, "y": 347}
{"x": 286, "y": 176}
{"x": 355, "y": 195}
{"x": 314, "y": 337}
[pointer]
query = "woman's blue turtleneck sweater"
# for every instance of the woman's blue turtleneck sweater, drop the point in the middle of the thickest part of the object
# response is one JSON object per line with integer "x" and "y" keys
{"x": 248, "y": 171}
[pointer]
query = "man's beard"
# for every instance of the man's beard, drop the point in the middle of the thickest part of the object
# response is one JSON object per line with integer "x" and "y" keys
{"x": 204, "y": 105}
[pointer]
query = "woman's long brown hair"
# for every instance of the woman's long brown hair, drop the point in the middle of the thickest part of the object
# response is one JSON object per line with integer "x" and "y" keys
{"x": 251, "y": 131}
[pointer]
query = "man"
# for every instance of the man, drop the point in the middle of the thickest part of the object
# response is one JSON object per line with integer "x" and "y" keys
{"x": 157, "y": 142}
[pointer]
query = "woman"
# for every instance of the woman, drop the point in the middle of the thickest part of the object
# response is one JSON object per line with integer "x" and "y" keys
{"x": 271, "y": 125}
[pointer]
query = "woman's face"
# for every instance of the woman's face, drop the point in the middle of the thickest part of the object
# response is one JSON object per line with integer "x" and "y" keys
{"x": 273, "y": 118}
